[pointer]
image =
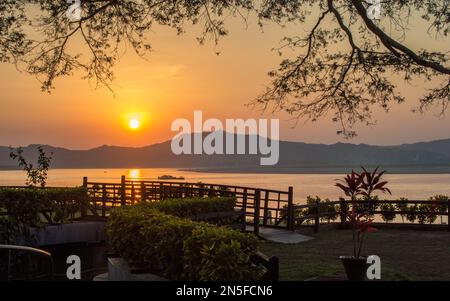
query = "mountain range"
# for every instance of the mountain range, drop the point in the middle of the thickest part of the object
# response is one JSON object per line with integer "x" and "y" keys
{"x": 295, "y": 157}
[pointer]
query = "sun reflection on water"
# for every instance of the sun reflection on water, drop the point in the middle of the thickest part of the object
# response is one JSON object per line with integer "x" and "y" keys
{"x": 134, "y": 174}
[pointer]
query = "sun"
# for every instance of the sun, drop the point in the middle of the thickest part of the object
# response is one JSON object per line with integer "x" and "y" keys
{"x": 134, "y": 124}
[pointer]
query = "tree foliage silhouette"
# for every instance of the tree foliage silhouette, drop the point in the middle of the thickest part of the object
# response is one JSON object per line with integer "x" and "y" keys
{"x": 345, "y": 63}
{"x": 36, "y": 175}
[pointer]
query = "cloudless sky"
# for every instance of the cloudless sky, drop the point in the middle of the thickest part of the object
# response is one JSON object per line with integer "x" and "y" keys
{"x": 181, "y": 76}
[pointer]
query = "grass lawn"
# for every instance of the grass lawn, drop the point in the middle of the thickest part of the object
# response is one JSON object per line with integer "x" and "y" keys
{"x": 405, "y": 254}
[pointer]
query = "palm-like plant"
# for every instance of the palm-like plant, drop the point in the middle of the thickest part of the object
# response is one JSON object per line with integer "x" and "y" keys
{"x": 372, "y": 181}
{"x": 351, "y": 185}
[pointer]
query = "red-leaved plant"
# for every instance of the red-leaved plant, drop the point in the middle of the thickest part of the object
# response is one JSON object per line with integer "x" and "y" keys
{"x": 363, "y": 184}
{"x": 361, "y": 225}
{"x": 372, "y": 181}
{"x": 352, "y": 185}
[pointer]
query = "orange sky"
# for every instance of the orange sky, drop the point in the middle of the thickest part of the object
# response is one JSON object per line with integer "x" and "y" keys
{"x": 178, "y": 77}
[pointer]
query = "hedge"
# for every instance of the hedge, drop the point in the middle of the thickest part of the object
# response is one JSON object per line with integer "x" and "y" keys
{"x": 21, "y": 208}
{"x": 195, "y": 207}
{"x": 179, "y": 248}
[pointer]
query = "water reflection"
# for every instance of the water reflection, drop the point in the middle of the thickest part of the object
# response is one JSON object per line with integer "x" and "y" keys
{"x": 134, "y": 174}
{"x": 412, "y": 186}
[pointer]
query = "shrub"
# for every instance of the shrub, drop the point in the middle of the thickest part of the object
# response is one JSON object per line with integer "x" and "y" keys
{"x": 422, "y": 214}
{"x": 411, "y": 216}
{"x": 22, "y": 208}
{"x": 388, "y": 212}
{"x": 179, "y": 248}
{"x": 218, "y": 253}
{"x": 157, "y": 240}
{"x": 195, "y": 206}
{"x": 427, "y": 213}
{"x": 363, "y": 184}
{"x": 441, "y": 203}
{"x": 402, "y": 206}
{"x": 200, "y": 209}
{"x": 366, "y": 206}
{"x": 325, "y": 207}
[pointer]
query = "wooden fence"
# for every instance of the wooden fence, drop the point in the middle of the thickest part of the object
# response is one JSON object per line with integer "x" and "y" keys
{"x": 313, "y": 214}
{"x": 259, "y": 207}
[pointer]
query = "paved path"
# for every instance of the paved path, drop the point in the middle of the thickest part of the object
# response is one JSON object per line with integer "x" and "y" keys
{"x": 281, "y": 235}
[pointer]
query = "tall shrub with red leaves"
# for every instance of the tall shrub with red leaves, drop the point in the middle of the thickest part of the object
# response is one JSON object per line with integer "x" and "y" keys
{"x": 361, "y": 226}
{"x": 371, "y": 182}
{"x": 351, "y": 185}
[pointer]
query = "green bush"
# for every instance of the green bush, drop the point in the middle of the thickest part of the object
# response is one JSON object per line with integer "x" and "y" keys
{"x": 365, "y": 205}
{"x": 157, "y": 240}
{"x": 192, "y": 207}
{"x": 179, "y": 248}
{"x": 22, "y": 208}
{"x": 388, "y": 212}
{"x": 325, "y": 207}
{"x": 441, "y": 204}
{"x": 219, "y": 253}
{"x": 427, "y": 213}
{"x": 411, "y": 216}
{"x": 200, "y": 209}
{"x": 402, "y": 206}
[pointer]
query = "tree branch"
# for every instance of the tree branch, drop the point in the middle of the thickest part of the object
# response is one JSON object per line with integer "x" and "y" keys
{"x": 391, "y": 43}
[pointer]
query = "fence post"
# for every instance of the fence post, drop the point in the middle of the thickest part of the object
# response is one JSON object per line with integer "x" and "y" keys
{"x": 342, "y": 213}
{"x": 257, "y": 200}
{"x": 133, "y": 194}
{"x": 266, "y": 208}
{"x": 291, "y": 214}
{"x": 143, "y": 194}
{"x": 123, "y": 197}
{"x": 200, "y": 190}
{"x": 85, "y": 185}
{"x": 448, "y": 215}
{"x": 274, "y": 268}
{"x": 244, "y": 210}
{"x": 161, "y": 191}
{"x": 317, "y": 217}
{"x": 103, "y": 201}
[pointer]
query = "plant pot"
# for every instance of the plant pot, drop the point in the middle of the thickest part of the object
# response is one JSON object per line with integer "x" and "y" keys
{"x": 355, "y": 268}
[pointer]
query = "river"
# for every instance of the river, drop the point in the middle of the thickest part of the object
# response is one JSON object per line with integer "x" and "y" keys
{"x": 412, "y": 186}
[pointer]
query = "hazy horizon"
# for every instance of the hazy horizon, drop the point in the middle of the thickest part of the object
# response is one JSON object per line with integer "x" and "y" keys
{"x": 345, "y": 141}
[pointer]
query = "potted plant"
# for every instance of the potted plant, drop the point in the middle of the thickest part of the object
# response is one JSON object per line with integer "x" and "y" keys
{"x": 364, "y": 184}
{"x": 356, "y": 266}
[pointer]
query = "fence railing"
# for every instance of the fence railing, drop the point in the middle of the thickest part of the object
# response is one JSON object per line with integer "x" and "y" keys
{"x": 387, "y": 211}
{"x": 260, "y": 207}
{"x": 25, "y": 263}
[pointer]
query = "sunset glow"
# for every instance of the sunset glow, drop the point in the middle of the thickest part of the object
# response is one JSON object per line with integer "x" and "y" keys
{"x": 184, "y": 76}
{"x": 135, "y": 124}
{"x": 228, "y": 141}
{"x": 134, "y": 174}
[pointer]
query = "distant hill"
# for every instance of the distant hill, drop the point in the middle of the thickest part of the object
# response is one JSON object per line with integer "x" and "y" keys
{"x": 295, "y": 157}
